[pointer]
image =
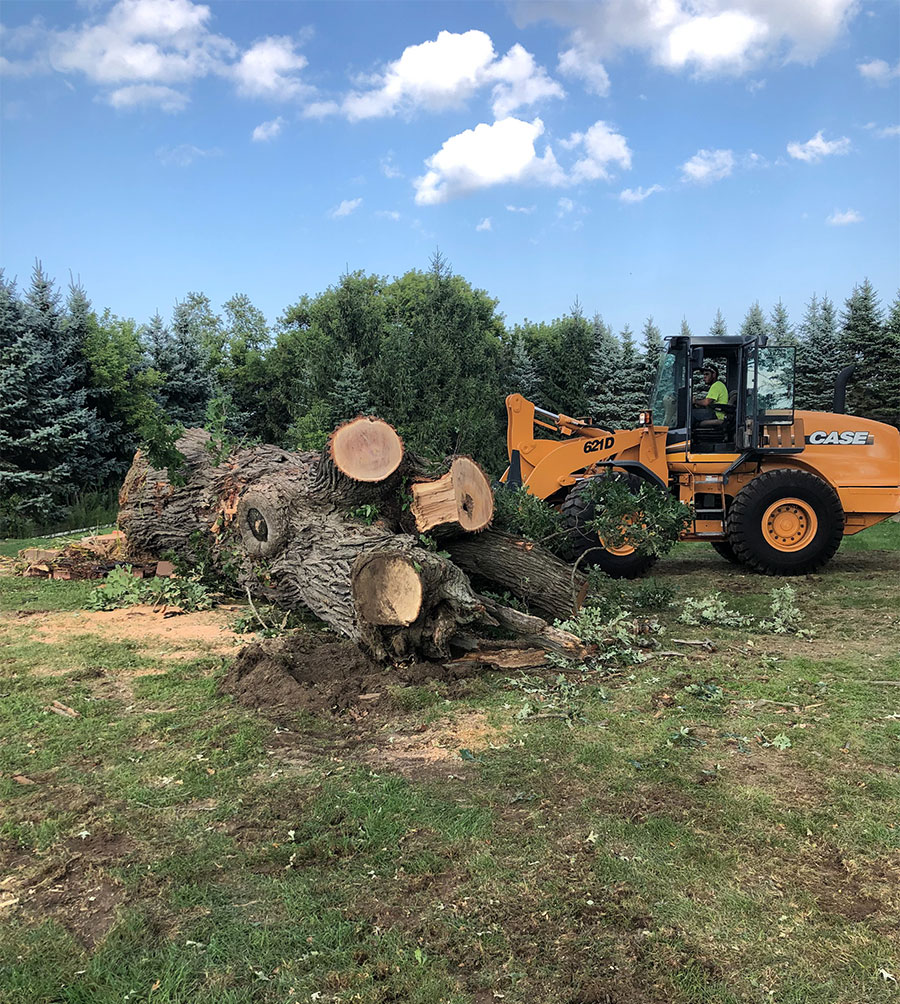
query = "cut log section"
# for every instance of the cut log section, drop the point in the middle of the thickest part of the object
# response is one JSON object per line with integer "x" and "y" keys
{"x": 366, "y": 449}
{"x": 542, "y": 581}
{"x": 461, "y": 499}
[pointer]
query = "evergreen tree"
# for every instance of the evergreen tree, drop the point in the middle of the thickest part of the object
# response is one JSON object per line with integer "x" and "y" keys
{"x": 45, "y": 425}
{"x": 819, "y": 358}
{"x": 180, "y": 359}
{"x": 653, "y": 351}
{"x": 523, "y": 374}
{"x": 781, "y": 330}
{"x": 754, "y": 325}
{"x": 605, "y": 359}
{"x": 685, "y": 330}
{"x": 350, "y": 395}
{"x": 631, "y": 391}
{"x": 887, "y": 386}
{"x": 718, "y": 328}
{"x": 861, "y": 343}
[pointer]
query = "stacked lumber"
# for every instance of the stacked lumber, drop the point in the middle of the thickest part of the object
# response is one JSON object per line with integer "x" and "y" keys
{"x": 386, "y": 548}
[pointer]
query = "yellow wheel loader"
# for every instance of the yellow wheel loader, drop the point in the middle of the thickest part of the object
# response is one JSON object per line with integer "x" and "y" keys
{"x": 772, "y": 488}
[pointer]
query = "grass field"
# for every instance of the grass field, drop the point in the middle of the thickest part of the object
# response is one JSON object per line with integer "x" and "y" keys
{"x": 722, "y": 826}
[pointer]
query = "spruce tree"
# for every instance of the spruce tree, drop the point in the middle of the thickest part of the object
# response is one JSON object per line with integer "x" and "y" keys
{"x": 754, "y": 325}
{"x": 718, "y": 328}
{"x": 653, "y": 351}
{"x": 523, "y": 374}
{"x": 350, "y": 395}
{"x": 45, "y": 426}
{"x": 781, "y": 330}
{"x": 818, "y": 357}
{"x": 888, "y": 382}
{"x": 685, "y": 330}
{"x": 180, "y": 359}
{"x": 605, "y": 359}
{"x": 631, "y": 378}
{"x": 861, "y": 343}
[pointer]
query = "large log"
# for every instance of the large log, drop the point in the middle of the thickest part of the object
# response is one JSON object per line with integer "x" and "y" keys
{"x": 264, "y": 519}
{"x": 530, "y": 572}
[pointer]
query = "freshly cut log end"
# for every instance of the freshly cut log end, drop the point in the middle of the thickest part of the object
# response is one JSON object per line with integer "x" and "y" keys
{"x": 366, "y": 449}
{"x": 387, "y": 590}
{"x": 462, "y": 498}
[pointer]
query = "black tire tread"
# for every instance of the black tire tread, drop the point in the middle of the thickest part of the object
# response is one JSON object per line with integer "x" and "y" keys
{"x": 725, "y": 550}
{"x": 790, "y": 481}
{"x": 575, "y": 513}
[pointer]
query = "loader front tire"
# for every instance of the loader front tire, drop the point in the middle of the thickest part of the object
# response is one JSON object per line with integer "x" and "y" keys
{"x": 785, "y": 522}
{"x": 725, "y": 550}
{"x": 577, "y": 511}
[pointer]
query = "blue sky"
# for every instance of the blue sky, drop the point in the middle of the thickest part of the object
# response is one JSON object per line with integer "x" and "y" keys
{"x": 664, "y": 157}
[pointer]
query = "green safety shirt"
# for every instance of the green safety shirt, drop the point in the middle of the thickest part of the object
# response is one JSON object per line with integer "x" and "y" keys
{"x": 718, "y": 392}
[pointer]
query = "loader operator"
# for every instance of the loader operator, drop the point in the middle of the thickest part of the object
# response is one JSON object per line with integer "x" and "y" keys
{"x": 716, "y": 393}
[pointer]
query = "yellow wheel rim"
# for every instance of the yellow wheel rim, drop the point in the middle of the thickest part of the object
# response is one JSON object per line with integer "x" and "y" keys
{"x": 789, "y": 524}
{"x": 622, "y": 550}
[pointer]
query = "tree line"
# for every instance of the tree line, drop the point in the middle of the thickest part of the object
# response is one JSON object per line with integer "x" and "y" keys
{"x": 80, "y": 390}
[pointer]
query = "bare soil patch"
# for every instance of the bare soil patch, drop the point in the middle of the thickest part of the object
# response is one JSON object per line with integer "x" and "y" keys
{"x": 70, "y": 883}
{"x": 178, "y": 636}
{"x": 324, "y": 675}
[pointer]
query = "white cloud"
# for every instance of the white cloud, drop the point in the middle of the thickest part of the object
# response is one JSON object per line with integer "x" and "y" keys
{"x": 269, "y": 69}
{"x": 135, "y": 49}
{"x": 320, "y": 109}
{"x": 388, "y": 168}
{"x": 520, "y": 81}
{"x": 140, "y": 95}
{"x": 184, "y": 155}
{"x": 505, "y": 153}
{"x": 601, "y": 146}
{"x": 268, "y": 130}
{"x": 484, "y": 156}
{"x": 346, "y": 207}
{"x": 158, "y": 41}
{"x": 888, "y": 131}
{"x": 704, "y": 36}
{"x": 841, "y": 218}
{"x": 388, "y": 214}
{"x": 485, "y": 224}
{"x": 581, "y": 62}
{"x": 446, "y": 72}
{"x": 707, "y": 166}
{"x": 638, "y": 194}
{"x": 722, "y": 42}
{"x": 878, "y": 71}
{"x": 527, "y": 210}
{"x": 816, "y": 148}
{"x": 565, "y": 205}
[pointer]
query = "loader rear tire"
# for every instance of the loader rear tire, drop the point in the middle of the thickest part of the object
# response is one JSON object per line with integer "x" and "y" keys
{"x": 577, "y": 511}
{"x": 785, "y": 522}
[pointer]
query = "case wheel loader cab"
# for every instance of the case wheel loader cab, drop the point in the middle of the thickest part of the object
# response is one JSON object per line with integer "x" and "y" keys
{"x": 772, "y": 488}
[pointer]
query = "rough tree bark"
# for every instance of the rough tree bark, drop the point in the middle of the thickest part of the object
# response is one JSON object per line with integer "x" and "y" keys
{"x": 278, "y": 525}
{"x": 542, "y": 581}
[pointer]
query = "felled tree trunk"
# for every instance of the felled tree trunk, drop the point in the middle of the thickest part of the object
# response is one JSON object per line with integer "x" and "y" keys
{"x": 281, "y": 526}
{"x": 542, "y": 581}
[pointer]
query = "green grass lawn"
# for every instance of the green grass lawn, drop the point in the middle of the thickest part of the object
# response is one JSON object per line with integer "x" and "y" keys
{"x": 718, "y": 827}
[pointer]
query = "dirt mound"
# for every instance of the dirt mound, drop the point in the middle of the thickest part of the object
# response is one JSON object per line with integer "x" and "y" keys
{"x": 323, "y": 674}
